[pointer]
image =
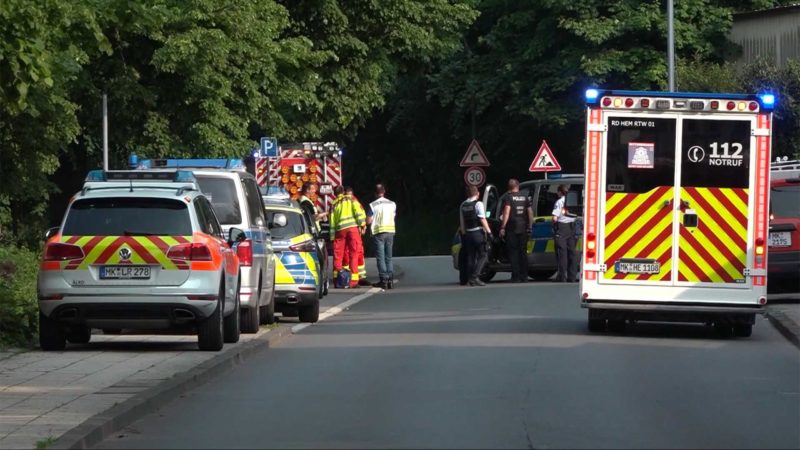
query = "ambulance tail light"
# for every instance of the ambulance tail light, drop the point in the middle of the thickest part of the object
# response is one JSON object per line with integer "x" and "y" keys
{"x": 606, "y": 101}
{"x": 591, "y": 245}
{"x": 662, "y": 104}
{"x": 697, "y": 105}
{"x": 645, "y": 103}
{"x": 245, "y": 253}
{"x": 731, "y": 106}
{"x": 753, "y": 106}
{"x": 713, "y": 104}
{"x": 628, "y": 102}
{"x": 307, "y": 246}
{"x": 759, "y": 246}
{"x": 762, "y": 300}
{"x": 189, "y": 252}
{"x": 62, "y": 252}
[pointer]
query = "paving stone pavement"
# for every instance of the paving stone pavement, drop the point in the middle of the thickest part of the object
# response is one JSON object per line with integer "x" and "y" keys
{"x": 786, "y": 318}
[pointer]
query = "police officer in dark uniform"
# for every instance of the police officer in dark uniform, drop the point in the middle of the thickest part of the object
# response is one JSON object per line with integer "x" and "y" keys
{"x": 515, "y": 227}
{"x": 564, "y": 236}
{"x": 475, "y": 231}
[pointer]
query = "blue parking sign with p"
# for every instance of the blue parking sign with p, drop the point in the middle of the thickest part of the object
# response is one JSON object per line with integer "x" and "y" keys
{"x": 269, "y": 146}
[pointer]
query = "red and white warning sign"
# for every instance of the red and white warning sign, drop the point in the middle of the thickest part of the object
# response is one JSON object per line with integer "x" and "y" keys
{"x": 474, "y": 156}
{"x": 544, "y": 161}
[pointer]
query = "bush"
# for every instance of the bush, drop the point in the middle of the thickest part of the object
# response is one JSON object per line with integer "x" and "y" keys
{"x": 18, "y": 300}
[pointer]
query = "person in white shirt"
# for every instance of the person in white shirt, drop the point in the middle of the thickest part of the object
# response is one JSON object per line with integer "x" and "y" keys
{"x": 564, "y": 237}
{"x": 475, "y": 231}
{"x": 380, "y": 217}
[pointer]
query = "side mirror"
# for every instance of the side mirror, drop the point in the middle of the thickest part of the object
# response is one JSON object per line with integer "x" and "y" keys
{"x": 51, "y": 232}
{"x": 236, "y": 235}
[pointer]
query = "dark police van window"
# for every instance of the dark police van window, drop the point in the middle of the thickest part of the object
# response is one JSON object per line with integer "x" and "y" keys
{"x": 128, "y": 217}
{"x": 222, "y": 194}
{"x": 625, "y": 172}
{"x": 294, "y": 225}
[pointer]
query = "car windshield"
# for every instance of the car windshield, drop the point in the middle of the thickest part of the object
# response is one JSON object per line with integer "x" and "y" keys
{"x": 294, "y": 225}
{"x": 785, "y": 201}
{"x": 222, "y": 194}
{"x": 128, "y": 217}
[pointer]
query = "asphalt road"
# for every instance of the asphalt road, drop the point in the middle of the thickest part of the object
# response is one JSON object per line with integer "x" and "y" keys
{"x": 436, "y": 365}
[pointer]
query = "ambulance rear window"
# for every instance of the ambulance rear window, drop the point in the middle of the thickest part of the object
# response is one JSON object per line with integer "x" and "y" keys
{"x": 785, "y": 201}
{"x": 128, "y": 217}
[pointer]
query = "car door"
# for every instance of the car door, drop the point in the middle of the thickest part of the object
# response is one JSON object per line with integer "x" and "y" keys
{"x": 210, "y": 225}
{"x": 262, "y": 241}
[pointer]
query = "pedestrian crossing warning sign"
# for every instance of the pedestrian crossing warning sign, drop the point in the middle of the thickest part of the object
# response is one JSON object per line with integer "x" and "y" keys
{"x": 544, "y": 161}
{"x": 474, "y": 156}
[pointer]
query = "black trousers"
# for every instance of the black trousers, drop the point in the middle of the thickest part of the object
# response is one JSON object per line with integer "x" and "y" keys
{"x": 565, "y": 252}
{"x": 472, "y": 256}
{"x": 517, "y": 248}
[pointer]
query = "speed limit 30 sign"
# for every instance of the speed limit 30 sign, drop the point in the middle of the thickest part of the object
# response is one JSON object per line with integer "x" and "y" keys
{"x": 475, "y": 176}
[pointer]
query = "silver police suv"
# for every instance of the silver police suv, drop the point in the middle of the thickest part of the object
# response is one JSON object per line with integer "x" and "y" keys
{"x": 236, "y": 200}
{"x": 139, "y": 250}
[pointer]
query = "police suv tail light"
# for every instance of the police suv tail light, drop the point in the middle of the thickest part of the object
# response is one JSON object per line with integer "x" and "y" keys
{"x": 189, "y": 252}
{"x": 245, "y": 253}
{"x": 307, "y": 246}
{"x": 62, "y": 252}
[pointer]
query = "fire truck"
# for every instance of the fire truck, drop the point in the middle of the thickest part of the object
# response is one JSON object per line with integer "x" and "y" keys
{"x": 298, "y": 164}
{"x": 676, "y": 208}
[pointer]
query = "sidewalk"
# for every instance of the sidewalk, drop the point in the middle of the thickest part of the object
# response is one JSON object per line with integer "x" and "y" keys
{"x": 43, "y": 395}
{"x": 784, "y": 314}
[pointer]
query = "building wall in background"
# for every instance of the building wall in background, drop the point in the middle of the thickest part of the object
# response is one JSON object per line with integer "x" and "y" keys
{"x": 772, "y": 33}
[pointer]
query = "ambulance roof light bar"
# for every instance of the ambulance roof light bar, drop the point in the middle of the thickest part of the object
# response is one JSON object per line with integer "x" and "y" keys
{"x": 766, "y": 100}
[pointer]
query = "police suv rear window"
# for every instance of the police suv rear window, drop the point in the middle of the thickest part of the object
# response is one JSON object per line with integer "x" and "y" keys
{"x": 785, "y": 201}
{"x": 294, "y": 225}
{"x": 128, "y": 217}
{"x": 222, "y": 194}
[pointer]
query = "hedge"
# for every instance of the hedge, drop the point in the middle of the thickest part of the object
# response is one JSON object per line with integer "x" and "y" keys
{"x": 18, "y": 302}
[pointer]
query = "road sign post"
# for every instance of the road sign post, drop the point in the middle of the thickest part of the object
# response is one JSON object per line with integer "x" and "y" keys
{"x": 475, "y": 176}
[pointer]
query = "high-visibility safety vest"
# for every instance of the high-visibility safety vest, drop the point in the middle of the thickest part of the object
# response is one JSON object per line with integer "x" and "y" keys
{"x": 346, "y": 214}
{"x": 313, "y": 209}
{"x": 383, "y": 212}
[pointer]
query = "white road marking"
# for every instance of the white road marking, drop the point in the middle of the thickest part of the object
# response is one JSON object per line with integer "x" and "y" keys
{"x": 334, "y": 310}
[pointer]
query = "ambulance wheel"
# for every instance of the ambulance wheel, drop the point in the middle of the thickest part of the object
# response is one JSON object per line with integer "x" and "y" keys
{"x": 616, "y": 325}
{"x": 742, "y": 330}
{"x": 232, "y": 323}
{"x": 309, "y": 313}
{"x": 724, "y": 330}
{"x": 210, "y": 331}
{"x": 487, "y": 275}
{"x": 51, "y": 334}
{"x": 79, "y": 334}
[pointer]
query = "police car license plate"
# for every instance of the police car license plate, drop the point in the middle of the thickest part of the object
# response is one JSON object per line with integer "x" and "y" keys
{"x": 637, "y": 267}
{"x": 125, "y": 272}
{"x": 780, "y": 239}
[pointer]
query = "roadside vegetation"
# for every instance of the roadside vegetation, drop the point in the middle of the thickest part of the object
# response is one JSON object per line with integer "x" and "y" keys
{"x": 403, "y": 85}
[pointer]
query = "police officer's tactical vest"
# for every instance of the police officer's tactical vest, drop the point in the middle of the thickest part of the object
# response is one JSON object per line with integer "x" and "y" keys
{"x": 518, "y": 219}
{"x": 470, "y": 215}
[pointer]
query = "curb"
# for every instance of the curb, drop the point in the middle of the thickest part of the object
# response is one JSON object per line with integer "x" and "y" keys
{"x": 786, "y": 326}
{"x": 102, "y": 425}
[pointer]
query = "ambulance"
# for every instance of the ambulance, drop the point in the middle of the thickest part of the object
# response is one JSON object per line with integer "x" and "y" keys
{"x": 676, "y": 208}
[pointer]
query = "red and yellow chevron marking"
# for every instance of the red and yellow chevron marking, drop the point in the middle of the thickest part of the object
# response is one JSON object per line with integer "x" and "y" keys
{"x": 639, "y": 226}
{"x": 144, "y": 250}
{"x": 716, "y": 250}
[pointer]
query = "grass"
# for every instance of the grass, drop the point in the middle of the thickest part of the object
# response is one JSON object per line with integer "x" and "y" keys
{"x": 42, "y": 444}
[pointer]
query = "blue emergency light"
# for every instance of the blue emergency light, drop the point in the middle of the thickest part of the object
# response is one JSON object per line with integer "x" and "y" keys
{"x": 179, "y": 176}
{"x": 211, "y": 163}
{"x": 767, "y": 100}
{"x": 592, "y": 95}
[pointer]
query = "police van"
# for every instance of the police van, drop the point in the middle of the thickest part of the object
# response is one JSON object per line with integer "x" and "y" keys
{"x": 676, "y": 208}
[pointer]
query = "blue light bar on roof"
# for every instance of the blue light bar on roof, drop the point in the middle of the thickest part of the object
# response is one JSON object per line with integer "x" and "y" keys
{"x": 96, "y": 175}
{"x": 180, "y": 176}
{"x": 211, "y": 163}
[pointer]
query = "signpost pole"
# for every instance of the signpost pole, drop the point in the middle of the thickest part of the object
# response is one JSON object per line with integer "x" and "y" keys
{"x": 105, "y": 132}
{"x": 671, "y": 44}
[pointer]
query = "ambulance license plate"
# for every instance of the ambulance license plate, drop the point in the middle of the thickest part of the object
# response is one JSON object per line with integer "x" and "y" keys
{"x": 637, "y": 267}
{"x": 780, "y": 239}
{"x": 125, "y": 272}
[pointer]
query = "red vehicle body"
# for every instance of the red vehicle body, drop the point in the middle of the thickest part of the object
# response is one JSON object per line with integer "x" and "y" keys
{"x": 784, "y": 230}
